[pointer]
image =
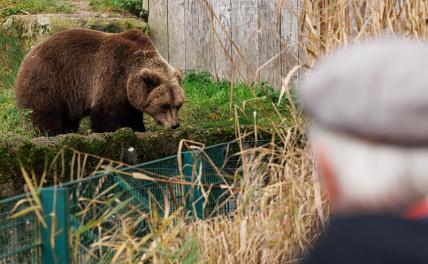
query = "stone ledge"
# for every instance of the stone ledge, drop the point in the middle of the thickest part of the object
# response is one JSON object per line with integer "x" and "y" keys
{"x": 32, "y": 28}
{"x": 35, "y": 153}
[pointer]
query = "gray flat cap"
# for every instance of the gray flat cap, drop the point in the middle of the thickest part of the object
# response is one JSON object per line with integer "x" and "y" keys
{"x": 377, "y": 90}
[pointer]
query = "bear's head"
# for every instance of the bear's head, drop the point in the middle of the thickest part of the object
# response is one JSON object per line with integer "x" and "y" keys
{"x": 158, "y": 92}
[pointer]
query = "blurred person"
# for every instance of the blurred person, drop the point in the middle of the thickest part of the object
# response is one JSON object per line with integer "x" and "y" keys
{"x": 368, "y": 106}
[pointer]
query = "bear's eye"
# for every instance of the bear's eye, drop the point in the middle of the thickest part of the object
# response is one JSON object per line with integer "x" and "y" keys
{"x": 165, "y": 107}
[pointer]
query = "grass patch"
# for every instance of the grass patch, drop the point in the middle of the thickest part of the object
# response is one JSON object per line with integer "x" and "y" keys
{"x": 134, "y": 7}
{"x": 11, "y": 120}
{"x": 12, "y": 7}
{"x": 208, "y": 102}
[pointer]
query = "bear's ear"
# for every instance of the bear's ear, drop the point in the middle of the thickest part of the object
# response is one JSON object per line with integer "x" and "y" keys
{"x": 150, "y": 78}
{"x": 179, "y": 73}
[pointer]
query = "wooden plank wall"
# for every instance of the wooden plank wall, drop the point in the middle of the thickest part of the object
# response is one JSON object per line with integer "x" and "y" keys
{"x": 242, "y": 39}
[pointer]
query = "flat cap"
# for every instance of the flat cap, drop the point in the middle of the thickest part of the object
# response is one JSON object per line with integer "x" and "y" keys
{"x": 377, "y": 90}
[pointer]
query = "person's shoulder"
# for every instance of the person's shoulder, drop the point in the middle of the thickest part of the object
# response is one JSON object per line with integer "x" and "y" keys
{"x": 371, "y": 239}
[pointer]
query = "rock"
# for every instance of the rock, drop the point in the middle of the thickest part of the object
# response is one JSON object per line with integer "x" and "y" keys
{"x": 37, "y": 154}
{"x": 32, "y": 28}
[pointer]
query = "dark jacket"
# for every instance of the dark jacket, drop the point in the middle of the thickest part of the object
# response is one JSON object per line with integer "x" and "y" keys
{"x": 372, "y": 239}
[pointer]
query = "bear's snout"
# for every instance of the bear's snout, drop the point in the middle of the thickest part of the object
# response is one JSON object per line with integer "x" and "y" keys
{"x": 175, "y": 126}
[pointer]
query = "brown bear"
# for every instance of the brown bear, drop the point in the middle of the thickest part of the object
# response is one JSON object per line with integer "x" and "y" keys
{"x": 114, "y": 78}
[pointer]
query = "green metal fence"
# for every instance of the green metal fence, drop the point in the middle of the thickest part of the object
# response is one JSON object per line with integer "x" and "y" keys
{"x": 19, "y": 240}
{"x": 80, "y": 206}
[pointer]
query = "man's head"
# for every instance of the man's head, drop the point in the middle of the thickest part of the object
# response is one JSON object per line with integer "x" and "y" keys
{"x": 369, "y": 110}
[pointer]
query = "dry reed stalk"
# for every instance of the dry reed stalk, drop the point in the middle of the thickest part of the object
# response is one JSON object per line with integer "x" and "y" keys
{"x": 274, "y": 222}
{"x": 325, "y": 25}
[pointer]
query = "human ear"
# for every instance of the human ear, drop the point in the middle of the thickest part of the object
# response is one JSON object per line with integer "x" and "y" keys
{"x": 326, "y": 173}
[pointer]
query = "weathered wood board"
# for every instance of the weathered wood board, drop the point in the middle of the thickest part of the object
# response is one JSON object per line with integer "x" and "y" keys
{"x": 229, "y": 38}
{"x": 244, "y": 32}
{"x": 158, "y": 22}
{"x": 269, "y": 41}
{"x": 289, "y": 37}
{"x": 221, "y": 39}
{"x": 176, "y": 33}
{"x": 197, "y": 36}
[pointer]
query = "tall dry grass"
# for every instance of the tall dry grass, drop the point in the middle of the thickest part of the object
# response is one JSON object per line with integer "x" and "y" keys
{"x": 325, "y": 25}
{"x": 279, "y": 211}
{"x": 275, "y": 220}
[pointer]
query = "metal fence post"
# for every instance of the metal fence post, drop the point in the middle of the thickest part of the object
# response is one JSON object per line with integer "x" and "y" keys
{"x": 55, "y": 235}
{"x": 193, "y": 194}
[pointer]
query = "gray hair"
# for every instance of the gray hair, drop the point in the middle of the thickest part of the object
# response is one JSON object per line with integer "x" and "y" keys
{"x": 371, "y": 176}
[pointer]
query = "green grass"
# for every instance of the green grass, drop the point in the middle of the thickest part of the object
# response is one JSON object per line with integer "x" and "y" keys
{"x": 207, "y": 100}
{"x": 134, "y": 7}
{"x": 12, "y": 7}
{"x": 11, "y": 120}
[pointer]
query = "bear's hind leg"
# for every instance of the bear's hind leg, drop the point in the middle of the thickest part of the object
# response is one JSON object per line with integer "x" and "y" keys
{"x": 103, "y": 120}
{"x": 49, "y": 123}
{"x": 70, "y": 126}
{"x": 133, "y": 119}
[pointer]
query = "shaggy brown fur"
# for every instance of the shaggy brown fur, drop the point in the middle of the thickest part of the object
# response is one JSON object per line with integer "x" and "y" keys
{"x": 111, "y": 77}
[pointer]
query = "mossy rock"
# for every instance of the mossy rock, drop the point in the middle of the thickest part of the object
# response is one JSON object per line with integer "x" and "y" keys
{"x": 37, "y": 154}
{"x": 32, "y": 28}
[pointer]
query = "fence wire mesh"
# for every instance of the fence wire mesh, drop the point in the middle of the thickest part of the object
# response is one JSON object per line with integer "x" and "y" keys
{"x": 99, "y": 203}
{"x": 19, "y": 238}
